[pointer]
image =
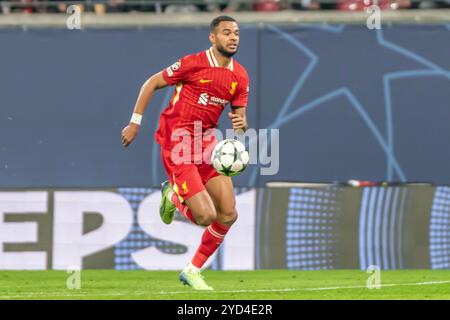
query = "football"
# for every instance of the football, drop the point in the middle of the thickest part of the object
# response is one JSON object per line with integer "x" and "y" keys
{"x": 229, "y": 157}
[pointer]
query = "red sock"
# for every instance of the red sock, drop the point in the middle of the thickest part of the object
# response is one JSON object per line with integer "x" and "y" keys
{"x": 183, "y": 208}
{"x": 211, "y": 240}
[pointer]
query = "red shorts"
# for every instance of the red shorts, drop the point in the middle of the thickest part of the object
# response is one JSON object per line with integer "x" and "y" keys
{"x": 187, "y": 179}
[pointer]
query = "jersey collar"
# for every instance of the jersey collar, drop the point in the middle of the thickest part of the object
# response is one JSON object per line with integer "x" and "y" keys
{"x": 213, "y": 61}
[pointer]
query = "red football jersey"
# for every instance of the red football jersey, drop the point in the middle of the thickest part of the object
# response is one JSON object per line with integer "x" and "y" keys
{"x": 202, "y": 91}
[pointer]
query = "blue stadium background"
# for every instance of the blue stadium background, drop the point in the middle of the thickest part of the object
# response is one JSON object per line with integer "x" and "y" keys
{"x": 351, "y": 103}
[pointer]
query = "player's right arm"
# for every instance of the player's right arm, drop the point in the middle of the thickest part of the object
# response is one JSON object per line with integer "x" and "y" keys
{"x": 176, "y": 73}
{"x": 149, "y": 87}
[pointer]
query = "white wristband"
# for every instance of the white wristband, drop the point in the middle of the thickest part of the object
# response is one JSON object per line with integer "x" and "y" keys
{"x": 136, "y": 118}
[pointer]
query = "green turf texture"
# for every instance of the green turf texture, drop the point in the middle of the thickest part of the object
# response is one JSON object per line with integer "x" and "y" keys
{"x": 228, "y": 285}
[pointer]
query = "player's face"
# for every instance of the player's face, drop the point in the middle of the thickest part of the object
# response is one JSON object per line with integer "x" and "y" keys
{"x": 226, "y": 38}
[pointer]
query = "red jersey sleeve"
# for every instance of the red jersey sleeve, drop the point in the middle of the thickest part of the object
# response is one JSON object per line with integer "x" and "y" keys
{"x": 241, "y": 97}
{"x": 178, "y": 71}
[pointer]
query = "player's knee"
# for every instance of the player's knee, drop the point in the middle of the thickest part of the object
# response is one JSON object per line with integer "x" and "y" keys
{"x": 233, "y": 216}
{"x": 229, "y": 216}
{"x": 206, "y": 216}
{"x": 206, "y": 219}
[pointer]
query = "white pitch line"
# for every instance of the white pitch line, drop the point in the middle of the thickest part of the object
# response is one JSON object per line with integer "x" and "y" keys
{"x": 134, "y": 293}
{"x": 80, "y": 295}
{"x": 381, "y": 285}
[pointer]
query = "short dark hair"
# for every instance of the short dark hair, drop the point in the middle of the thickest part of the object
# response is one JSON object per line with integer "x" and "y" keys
{"x": 218, "y": 20}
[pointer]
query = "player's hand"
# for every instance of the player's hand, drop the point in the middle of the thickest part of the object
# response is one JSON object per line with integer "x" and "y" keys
{"x": 238, "y": 121}
{"x": 129, "y": 133}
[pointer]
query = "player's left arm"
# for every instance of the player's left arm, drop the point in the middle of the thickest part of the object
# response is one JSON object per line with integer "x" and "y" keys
{"x": 238, "y": 114}
{"x": 238, "y": 117}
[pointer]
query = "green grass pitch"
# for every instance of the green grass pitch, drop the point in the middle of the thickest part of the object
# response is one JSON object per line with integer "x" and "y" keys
{"x": 228, "y": 285}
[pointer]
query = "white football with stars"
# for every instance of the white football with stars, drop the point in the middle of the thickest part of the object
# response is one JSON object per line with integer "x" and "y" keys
{"x": 229, "y": 157}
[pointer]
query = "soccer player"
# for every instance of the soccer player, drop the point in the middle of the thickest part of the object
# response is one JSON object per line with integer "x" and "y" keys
{"x": 205, "y": 82}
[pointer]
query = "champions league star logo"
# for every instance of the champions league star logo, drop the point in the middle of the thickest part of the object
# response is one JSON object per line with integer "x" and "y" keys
{"x": 357, "y": 85}
{"x": 173, "y": 67}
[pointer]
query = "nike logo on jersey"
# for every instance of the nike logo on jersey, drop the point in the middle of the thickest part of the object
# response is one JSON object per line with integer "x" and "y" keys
{"x": 205, "y": 80}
